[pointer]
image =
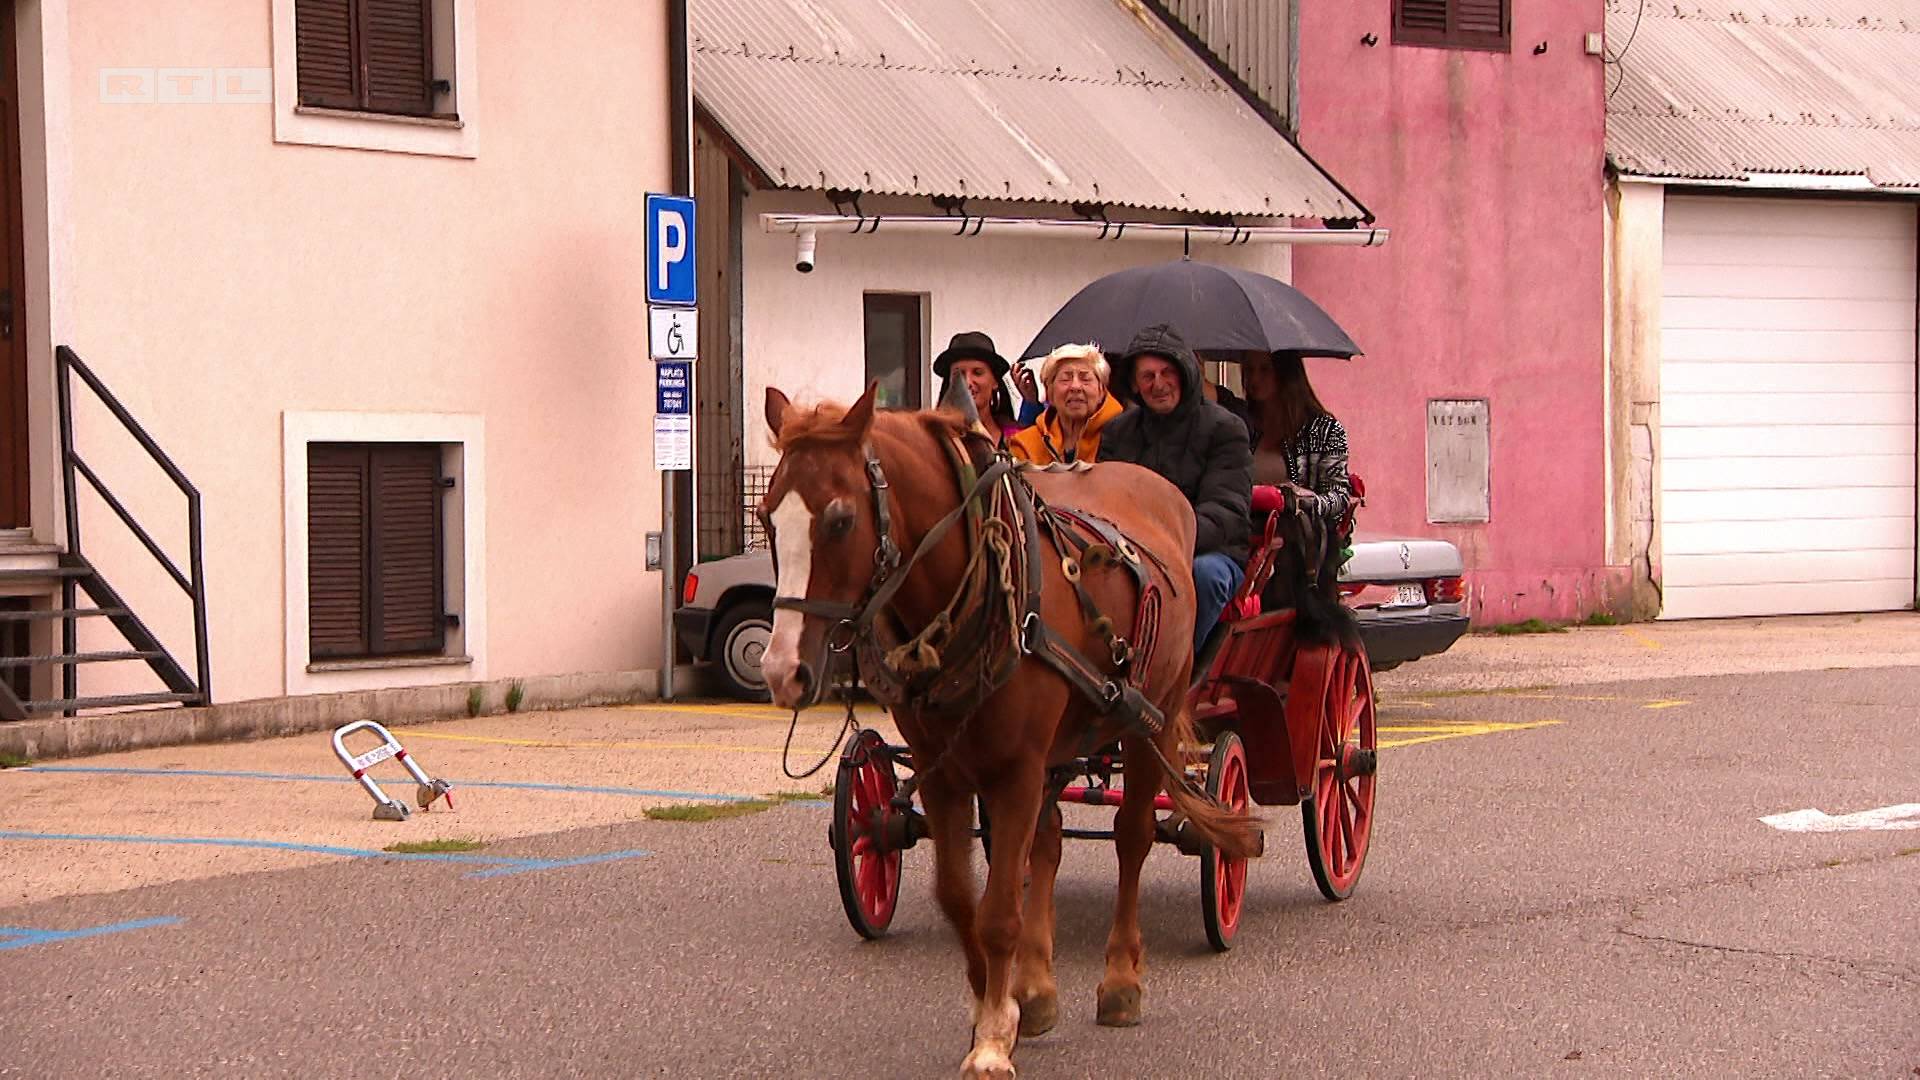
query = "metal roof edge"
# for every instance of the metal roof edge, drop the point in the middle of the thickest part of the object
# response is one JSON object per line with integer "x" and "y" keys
{"x": 1247, "y": 94}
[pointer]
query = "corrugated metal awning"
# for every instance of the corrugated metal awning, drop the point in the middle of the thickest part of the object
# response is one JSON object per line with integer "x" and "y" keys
{"x": 1728, "y": 89}
{"x": 1062, "y": 101}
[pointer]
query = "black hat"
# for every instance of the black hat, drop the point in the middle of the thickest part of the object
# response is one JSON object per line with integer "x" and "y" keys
{"x": 971, "y": 345}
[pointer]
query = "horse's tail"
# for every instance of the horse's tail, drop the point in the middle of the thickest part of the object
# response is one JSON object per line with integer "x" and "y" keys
{"x": 1241, "y": 836}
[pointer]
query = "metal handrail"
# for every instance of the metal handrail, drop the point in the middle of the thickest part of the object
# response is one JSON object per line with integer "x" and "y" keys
{"x": 192, "y": 583}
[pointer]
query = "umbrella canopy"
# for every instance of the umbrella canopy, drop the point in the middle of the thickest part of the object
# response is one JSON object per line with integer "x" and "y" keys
{"x": 1216, "y": 308}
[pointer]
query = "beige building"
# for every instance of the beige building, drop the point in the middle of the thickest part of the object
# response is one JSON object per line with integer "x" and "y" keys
{"x": 371, "y": 276}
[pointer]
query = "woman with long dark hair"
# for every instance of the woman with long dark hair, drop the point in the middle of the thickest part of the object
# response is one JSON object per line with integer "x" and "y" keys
{"x": 971, "y": 357}
{"x": 1301, "y": 445}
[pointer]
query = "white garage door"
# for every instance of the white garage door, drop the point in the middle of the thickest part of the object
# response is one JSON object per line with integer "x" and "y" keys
{"x": 1787, "y": 407}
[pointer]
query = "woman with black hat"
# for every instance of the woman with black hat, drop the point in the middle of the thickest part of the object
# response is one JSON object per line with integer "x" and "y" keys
{"x": 970, "y": 357}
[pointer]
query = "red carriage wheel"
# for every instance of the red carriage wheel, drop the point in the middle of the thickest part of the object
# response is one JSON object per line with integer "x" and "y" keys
{"x": 864, "y": 860}
{"x": 1223, "y": 878}
{"x": 1338, "y": 815}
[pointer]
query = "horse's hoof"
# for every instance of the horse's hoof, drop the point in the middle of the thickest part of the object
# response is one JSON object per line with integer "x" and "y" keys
{"x": 1119, "y": 1007}
{"x": 987, "y": 1065}
{"x": 1039, "y": 1014}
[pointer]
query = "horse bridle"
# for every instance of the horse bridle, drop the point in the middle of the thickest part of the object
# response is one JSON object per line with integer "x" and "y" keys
{"x": 852, "y": 621}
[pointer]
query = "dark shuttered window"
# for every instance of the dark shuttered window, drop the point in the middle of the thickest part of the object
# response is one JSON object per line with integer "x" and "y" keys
{"x": 375, "y": 556}
{"x": 1457, "y": 24}
{"x": 367, "y": 55}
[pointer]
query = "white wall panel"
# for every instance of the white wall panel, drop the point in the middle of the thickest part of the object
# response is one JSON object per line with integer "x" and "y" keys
{"x": 1787, "y": 400}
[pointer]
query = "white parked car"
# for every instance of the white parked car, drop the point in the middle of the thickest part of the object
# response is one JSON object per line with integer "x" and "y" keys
{"x": 1408, "y": 594}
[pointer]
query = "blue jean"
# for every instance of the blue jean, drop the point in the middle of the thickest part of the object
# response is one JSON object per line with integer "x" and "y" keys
{"x": 1215, "y": 577}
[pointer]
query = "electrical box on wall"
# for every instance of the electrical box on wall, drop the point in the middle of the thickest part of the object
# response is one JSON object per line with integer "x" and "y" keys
{"x": 653, "y": 551}
{"x": 1458, "y": 488}
{"x": 1596, "y": 44}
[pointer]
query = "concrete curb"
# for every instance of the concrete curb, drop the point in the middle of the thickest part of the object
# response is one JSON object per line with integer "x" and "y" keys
{"x": 59, "y": 737}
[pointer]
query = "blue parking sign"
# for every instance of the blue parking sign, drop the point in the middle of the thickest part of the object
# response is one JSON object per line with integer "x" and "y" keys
{"x": 670, "y": 250}
{"x": 673, "y": 380}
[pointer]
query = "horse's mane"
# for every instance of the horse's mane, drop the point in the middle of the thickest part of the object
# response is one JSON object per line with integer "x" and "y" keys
{"x": 821, "y": 425}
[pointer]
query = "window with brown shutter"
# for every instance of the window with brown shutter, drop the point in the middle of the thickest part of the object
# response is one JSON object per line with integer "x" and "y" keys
{"x": 1453, "y": 24}
{"x": 367, "y": 55}
{"x": 375, "y": 562}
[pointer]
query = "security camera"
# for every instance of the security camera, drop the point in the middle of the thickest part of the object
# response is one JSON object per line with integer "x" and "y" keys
{"x": 803, "y": 261}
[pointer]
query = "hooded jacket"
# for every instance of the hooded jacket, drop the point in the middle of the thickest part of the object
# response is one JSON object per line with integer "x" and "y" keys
{"x": 1045, "y": 443}
{"x": 1199, "y": 446}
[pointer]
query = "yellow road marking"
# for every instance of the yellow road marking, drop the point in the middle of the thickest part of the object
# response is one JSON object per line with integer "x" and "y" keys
{"x": 1641, "y": 639}
{"x": 1465, "y": 730}
{"x": 1665, "y": 704}
{"x": 823, "y": 714}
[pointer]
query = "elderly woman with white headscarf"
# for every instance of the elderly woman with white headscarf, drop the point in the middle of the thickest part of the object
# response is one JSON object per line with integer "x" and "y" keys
{"x": 1078, "y": 406}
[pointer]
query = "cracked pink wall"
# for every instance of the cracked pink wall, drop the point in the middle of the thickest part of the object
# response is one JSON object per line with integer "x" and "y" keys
{"x": 1488, "y": 169}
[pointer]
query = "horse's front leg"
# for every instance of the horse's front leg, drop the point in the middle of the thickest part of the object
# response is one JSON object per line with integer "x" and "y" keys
{"x": 1034, "y": 987}
{"x": 1014, "y": 799}
{"x": 1120, "y": 989}
{"x": 950, "y": 824}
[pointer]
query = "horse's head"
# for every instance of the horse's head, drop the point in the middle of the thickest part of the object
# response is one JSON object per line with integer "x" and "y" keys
{"x": 819, "y": 511}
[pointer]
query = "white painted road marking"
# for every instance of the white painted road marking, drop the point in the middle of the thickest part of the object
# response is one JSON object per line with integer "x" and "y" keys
{"x": 1903, "y": 816}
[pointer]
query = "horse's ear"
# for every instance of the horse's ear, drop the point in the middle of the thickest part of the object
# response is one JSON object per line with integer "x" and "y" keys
{"x": 860, "y": 417}
{"x": 777, "y": 406}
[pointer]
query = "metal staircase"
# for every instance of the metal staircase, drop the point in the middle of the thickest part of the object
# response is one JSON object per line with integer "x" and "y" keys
{"x": 61, "y": 578}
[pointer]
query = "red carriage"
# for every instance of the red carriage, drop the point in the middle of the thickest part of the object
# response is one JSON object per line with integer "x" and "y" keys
{"x": 1291, "y": 722}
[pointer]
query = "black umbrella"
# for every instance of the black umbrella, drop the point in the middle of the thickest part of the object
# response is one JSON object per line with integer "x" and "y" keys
{"x": 1216, "y": 308}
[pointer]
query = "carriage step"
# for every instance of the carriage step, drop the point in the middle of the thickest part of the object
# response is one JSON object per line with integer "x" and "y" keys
{"x": 60, "y": 613}
{"x": 110, "y": 701}
{"x": 78, "y": 658}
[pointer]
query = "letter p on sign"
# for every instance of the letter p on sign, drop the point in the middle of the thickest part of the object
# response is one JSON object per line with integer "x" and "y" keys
{"x": 671, "y": 277}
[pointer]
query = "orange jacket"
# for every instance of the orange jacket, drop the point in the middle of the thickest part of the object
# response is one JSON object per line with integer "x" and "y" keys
{"x": 1040, "y": 442}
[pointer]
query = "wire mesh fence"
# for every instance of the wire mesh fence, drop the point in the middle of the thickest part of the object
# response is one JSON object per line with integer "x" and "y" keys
{"x": 753, "y": 487}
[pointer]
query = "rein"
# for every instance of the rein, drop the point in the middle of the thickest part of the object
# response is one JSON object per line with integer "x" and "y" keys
{"x": 854, "y": 622}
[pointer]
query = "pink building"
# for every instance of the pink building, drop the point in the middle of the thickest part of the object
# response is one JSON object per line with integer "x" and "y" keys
{"x": 1473, "y": 129}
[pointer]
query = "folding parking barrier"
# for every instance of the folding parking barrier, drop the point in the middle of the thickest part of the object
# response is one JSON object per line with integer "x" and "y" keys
{"x": 386, "y": 808}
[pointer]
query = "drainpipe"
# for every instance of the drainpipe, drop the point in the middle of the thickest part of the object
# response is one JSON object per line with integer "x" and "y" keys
{"x": 680, "y": 124}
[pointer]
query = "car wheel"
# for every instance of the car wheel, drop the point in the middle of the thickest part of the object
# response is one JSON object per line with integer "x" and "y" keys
{"x": 740, "y": 639}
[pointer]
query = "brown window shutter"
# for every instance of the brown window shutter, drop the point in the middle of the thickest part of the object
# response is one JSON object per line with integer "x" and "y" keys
{"x": 324, "y": 52}
{"x": 404, "y": 550}
{"x": 1480, "y": 23}
{"x": 397, "y": 55}
{"x": 336, "y": 550}
{"x": 1419, "y": 15}
{"x": 1462, "y": 24}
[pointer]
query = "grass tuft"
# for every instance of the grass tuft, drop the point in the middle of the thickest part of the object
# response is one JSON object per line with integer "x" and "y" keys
{"x": 515, "y": 694}
{"x": 1600, "y": 618}
{"x": 1531, "y": 626}
{"x": 14, "y": 761}
{"x": 434, "y": 847}
{"x": 708, "y": 811}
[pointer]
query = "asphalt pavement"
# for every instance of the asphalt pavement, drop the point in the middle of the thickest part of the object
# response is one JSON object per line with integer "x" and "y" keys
{"x": 1568, "y": 877}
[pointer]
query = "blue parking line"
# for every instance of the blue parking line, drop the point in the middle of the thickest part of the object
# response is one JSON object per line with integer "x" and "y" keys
{"x": 221, "y": 774}
{"x": 558, "y": 864}
{"x": 496, "y": 865}
{"x": 24, "y": 936}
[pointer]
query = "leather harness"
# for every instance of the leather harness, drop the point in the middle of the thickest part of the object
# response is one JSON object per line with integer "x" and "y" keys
{"x": 972, "y": 648}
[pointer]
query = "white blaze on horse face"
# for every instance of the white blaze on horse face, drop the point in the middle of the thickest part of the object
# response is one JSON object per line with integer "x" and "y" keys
{"x": 793, "y": 543}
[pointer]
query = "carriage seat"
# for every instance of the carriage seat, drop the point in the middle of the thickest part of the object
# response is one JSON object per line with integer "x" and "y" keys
{"x": 1268, "y": 501}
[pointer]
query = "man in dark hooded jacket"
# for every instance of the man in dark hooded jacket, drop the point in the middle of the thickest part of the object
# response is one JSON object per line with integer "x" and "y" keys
{"x": 1198, "y": 445}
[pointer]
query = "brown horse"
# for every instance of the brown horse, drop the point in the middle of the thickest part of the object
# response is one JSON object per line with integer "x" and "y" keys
{"x": 822, "y": 509}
